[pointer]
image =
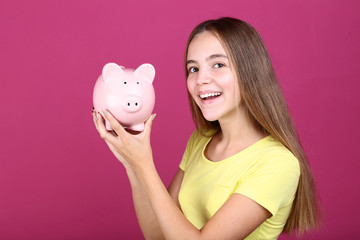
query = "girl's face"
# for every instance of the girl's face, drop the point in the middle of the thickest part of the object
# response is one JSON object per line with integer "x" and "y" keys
{"x": 211, "y": 82}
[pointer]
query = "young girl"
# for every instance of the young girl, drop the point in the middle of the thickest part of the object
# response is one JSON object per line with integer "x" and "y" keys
{"x": 243, "y": 173}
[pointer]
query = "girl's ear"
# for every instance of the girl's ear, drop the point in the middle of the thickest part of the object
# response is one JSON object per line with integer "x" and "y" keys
{"x": 146, "y": 70}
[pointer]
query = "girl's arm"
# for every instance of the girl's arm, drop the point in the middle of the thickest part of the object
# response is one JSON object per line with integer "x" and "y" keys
{"x": 145, "y": 215}
{"x": 236, "y": 219}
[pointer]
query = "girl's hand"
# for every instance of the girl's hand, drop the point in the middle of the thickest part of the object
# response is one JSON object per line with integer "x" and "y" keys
{"x": 132, "y": 150}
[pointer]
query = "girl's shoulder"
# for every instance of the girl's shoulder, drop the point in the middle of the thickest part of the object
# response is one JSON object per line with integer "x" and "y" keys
{"x": 272, "y": 152}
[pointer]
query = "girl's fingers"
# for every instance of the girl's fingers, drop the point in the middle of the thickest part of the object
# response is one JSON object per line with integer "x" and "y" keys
{"x": 95, "y": 117}
{"x": 128, "y": 148}
{"x": 119, "y": 130}
{"x": 104, "y": 134}
{"x": 148, "y": 126}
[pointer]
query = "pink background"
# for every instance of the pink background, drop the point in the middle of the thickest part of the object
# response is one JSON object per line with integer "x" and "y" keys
{"x": 58, "y": 180}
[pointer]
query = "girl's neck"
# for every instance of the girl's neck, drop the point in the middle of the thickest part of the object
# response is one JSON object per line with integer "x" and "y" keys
{"x": 235, "y": 134}
{"x": 239, "y": 129}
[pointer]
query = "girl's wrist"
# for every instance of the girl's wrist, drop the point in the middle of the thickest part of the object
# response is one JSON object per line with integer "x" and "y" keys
{"x": 140, "y": 175}
{"x": 132, "y": 176}
{"x": 141, "y": 170}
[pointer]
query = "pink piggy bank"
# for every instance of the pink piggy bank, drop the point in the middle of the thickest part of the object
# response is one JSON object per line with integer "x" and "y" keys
{"x": 127, "y": 94}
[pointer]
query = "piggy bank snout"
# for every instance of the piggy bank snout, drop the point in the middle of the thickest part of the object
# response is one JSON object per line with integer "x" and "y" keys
{"x": 131, "y": 104}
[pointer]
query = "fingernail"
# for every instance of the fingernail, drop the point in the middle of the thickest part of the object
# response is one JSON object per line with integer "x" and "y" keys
{"x": 153, "y": 117}
{"x": 97, "y": 115}
{"x": 104, "y": 112}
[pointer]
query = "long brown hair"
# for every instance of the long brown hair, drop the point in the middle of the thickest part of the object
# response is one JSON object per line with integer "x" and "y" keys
{"x": 261, "y": 93}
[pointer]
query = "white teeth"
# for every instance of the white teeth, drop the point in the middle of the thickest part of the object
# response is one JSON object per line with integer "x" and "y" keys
{"x": 206, "y": 95}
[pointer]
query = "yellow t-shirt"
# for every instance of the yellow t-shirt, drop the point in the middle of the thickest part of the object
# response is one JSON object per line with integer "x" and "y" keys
{"x": 266, "y": 172}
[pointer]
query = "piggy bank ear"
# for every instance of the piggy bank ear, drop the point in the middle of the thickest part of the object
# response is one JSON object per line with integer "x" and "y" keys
{"x": 112, "y": 72}
{"x": 146, "y": 70}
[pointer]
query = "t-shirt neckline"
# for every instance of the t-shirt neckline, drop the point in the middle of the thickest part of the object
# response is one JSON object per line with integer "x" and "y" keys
{"x": 236, "y": 155}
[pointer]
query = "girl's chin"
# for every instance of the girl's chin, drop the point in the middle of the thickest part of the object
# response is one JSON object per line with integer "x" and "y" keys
{"x": 210, "y": 117}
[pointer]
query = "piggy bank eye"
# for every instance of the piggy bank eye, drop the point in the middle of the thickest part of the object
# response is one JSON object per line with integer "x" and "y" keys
{"x": 125, "y": 82}
{"x": 137, "y": 82}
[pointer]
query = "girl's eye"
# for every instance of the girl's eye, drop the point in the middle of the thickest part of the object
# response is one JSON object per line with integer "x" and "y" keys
{"x": 218, "y": 65}
{"x": 193, "y": 69}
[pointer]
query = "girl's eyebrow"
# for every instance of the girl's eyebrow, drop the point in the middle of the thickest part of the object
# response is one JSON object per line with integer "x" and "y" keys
{"x": 216, "y": 56}
{"x": 208, "y": 58}
{"x": 190, "y": 61}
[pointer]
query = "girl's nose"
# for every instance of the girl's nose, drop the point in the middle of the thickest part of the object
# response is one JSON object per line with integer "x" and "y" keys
{"x": 203, "y": 77}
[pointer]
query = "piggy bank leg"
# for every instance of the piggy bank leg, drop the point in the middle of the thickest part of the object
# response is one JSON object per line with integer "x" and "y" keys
{"x": 137, "y": 127}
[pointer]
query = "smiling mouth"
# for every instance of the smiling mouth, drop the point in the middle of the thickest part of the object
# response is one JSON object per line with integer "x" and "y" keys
{"x": 206, "y": 96}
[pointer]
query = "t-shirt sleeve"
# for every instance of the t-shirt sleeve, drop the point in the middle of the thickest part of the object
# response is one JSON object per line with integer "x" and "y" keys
{"x": 273, "y": 183}
{"x": 189, "y": 147}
